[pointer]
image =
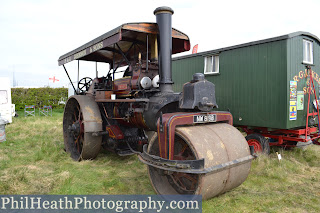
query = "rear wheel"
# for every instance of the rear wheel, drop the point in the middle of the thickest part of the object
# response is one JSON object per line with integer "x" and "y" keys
{"x": 259, "y": 143}
{"x": 78, "y": 139}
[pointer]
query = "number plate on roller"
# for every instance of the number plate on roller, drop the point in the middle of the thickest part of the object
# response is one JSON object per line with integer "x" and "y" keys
{"x": 204, "y": 118}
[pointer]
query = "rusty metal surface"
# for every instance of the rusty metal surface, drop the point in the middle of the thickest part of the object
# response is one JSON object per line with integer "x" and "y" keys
{"x": 121, "y": 86}
{"x": 169, "y": 121}
{"x": 137, "y": 120}
{"x": 100, "y": 95}
{"x": 188, "y": 166}
{"x": 101, "y": 49}
{"x": 82, "y": 108}
{"x": 217, "y": 144}
{"x": 233, "y": 145}
{"x": 91, "y": 113}
{"x": 114, "y": 132}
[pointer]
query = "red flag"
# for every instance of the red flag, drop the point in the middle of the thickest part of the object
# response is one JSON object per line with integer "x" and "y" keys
{"x": 195, "y": 49}
{"x": 53, "y": 79}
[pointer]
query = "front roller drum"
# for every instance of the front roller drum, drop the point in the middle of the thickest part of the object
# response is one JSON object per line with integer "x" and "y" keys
{"x": 217, "y": 144}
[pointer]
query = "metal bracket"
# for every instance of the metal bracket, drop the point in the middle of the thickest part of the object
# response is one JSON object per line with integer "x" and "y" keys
{"x": 187, "y": 166}
{"x": 161, "y": 123}
{"x": 174, "y": 164}
{"x": 97, "y": 134}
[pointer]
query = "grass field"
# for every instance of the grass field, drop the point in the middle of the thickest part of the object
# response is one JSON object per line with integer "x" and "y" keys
{"x": 32, "y": 161}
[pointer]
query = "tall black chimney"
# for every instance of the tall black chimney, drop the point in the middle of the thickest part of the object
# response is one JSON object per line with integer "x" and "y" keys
{"x": 163, "y": 16}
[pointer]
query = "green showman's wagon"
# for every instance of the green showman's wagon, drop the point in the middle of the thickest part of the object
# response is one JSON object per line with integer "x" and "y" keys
{"x": 266, "y": 85}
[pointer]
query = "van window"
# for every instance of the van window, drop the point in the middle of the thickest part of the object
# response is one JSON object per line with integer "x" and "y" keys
{"x": 3, "y": 97}
{"x": 307, "y": 51}
{"x": 211, "y": 64}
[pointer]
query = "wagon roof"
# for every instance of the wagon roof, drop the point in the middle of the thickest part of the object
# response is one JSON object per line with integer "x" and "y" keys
{"x": 283, "y": 37}
{"x": 101, "y": 49}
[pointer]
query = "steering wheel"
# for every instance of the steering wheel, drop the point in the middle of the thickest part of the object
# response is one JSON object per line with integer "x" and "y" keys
{"x": 84, "y": 84}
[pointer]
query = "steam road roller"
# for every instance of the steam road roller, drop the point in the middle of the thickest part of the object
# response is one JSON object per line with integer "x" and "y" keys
{"x": 189, "y": 147}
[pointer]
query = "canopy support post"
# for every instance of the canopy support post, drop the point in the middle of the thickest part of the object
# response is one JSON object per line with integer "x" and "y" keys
{"x": 78, "y": 75}
{"x": 69, "y": 79}
{"x": 96, "y": 69}
{"x": 147, "y": 58}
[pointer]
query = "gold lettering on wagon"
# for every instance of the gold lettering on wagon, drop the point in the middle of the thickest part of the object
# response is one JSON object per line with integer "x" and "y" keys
{"x": 305, "y": 74}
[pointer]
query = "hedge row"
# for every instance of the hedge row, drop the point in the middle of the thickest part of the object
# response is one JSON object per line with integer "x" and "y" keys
{"x": 39, "y": 97}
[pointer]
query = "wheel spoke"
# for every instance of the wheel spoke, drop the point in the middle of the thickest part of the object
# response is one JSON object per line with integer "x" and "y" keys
{"x": 78, "y": 147}
{"x": 79, "y": 112}
{"x": 77, "y": 140}
{"x": 189, "y": 177}
{"x": 183, "y": 150}
{"x": 177, "y": 182}
{"x": 180, "y": 180}
{"x": 77, "y": 143}
{"x": 75, "y": 116}
{"x": 183, "y": 182}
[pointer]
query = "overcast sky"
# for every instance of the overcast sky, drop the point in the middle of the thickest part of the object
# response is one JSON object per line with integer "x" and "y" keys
{"x": 34, "y": 33}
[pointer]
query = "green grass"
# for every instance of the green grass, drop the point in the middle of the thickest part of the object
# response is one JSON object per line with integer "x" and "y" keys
{"x": 32, "y": 161}
{"x": 292, "y": 185}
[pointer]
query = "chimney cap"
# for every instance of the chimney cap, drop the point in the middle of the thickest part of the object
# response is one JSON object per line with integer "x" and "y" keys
{"x": 163, "y": 9}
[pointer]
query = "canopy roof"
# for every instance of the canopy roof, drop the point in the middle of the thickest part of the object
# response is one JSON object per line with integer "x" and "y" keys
{"x": 121, "y": 40}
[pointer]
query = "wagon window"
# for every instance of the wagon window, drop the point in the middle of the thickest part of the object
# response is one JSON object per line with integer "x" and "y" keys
{"x": 3, "y": 97}
{"x": 211, "y": 64}
{"x": 307, "y": 52}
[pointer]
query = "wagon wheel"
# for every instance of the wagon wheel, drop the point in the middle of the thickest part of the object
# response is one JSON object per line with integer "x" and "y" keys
{"x": 84, "y": 84}
{"x": 259, "y": 143}
{"x": 78, "y": 141}
{"x": 316, "y": 142}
